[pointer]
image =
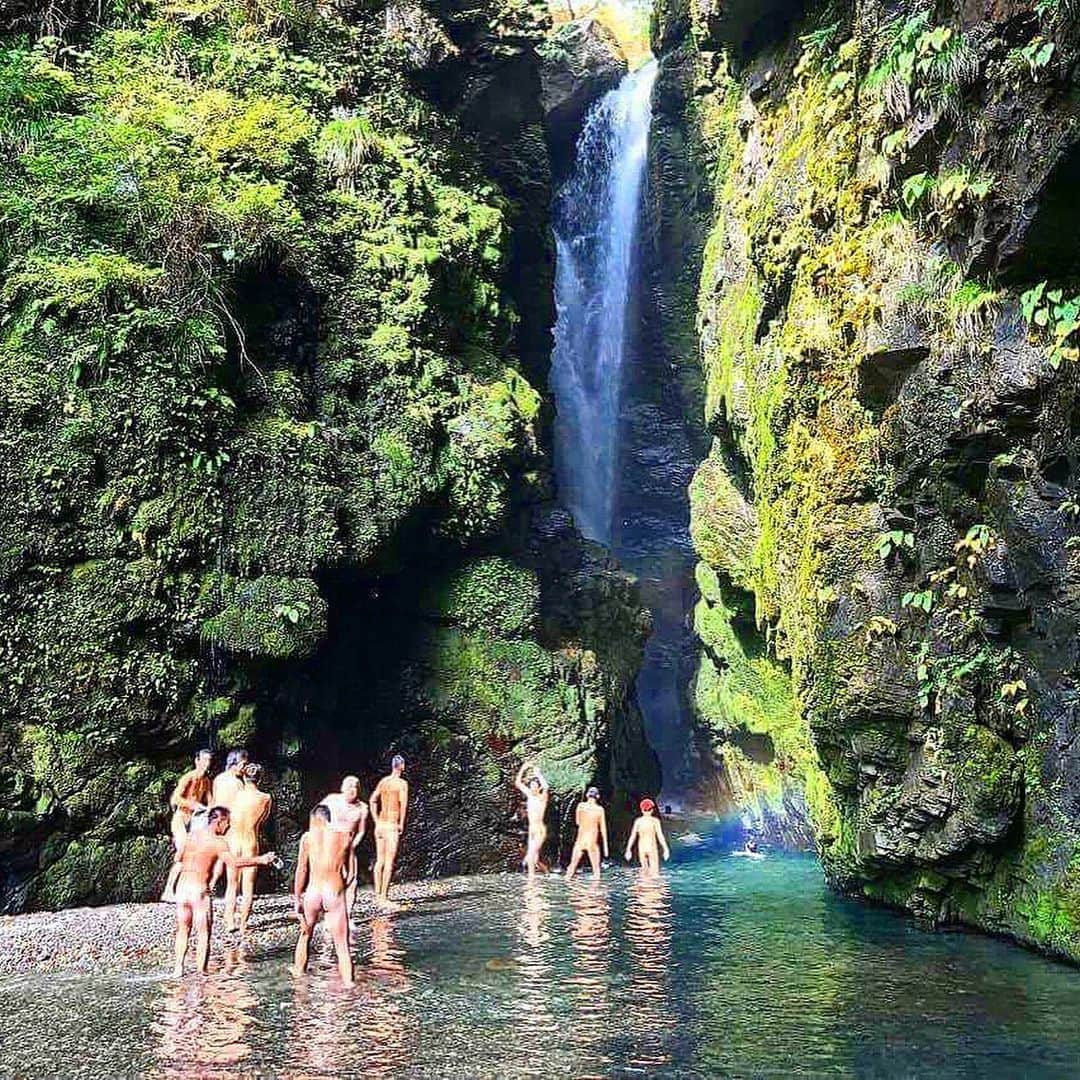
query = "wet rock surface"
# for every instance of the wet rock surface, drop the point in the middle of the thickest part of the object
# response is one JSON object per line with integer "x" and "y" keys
{"x": 579, "y": 62}
{"x": 900, "y": 430}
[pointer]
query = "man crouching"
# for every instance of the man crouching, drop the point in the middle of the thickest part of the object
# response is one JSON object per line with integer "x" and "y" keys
{"x": 322, "y": 870}
{"x": 202, "y": 854}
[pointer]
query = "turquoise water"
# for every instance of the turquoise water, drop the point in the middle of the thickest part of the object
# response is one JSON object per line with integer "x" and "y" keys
{"x": 726, "y": 967}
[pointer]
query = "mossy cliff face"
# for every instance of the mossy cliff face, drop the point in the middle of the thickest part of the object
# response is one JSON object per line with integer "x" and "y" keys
{"x": 887, "y": 520}
{"x": 276, "y": 293}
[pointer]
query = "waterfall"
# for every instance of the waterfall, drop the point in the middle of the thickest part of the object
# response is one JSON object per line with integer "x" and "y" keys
{"x": 596, "y": 220}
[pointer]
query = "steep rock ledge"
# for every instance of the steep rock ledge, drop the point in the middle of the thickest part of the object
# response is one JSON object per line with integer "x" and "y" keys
{"x": 887, "y": 520}
{"x": 276, "y": 295}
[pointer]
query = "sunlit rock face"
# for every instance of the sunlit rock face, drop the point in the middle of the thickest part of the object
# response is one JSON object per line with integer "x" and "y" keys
{"x": 276, "y": 327}
{"x": 579, "y": 62}
{"x": 887, "y": 518}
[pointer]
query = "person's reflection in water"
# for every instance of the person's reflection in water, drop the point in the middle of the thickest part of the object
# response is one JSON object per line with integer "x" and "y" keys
{"x": 391, "y": 1033}
{"x": 590, "y": 938}
{"x": 648, "y": 933}
{"x": 202, "y": 1027}
{"x": 535, "y": 1030}
{"x": 326, "y": 1032}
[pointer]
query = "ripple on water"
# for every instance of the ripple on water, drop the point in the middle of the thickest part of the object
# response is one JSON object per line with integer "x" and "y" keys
{"x": 722, "y": 967}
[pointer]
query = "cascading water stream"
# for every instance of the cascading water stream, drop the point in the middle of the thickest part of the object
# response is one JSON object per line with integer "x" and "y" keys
{"x": 623, "y": 455}
{"x": 596, "y": 226}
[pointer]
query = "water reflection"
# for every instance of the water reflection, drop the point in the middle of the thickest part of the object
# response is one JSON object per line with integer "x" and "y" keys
{"x": 590, "y": 979}
{"x": 391, "y": 1032}
{"x": 202, "y": 1026}
{"x": 717, "y": 969}
{"x": 648, "y": 936}
{"x": 534, "y": 1021}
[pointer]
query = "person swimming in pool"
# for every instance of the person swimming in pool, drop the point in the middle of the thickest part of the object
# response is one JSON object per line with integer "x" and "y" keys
{"x": 648, "y": 834}
{"x": 536, "y": 793}
{"x": 389, "y": 804}
{"x": 320, "y": 887}
{"x": 591, "y": 823}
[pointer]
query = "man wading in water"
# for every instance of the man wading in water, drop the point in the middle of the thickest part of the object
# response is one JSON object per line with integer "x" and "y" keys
{"x": 203, "y": 851}
{"x": 250, "y": 808}
{"x": 536, "y": 801}
{"x": 319, "y": 889}
{"x": 349, "y": 814}
{"x": 591, "y": 829}
{"x": 189, "y": 797}
{"x": 648, "y": 834}
{"x": 389, "y": 803}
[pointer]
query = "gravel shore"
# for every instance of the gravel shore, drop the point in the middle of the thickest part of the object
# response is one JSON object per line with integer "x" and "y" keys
{"x": 138, "y": 937}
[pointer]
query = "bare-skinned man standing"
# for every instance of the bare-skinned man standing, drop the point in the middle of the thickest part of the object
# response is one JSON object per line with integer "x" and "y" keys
{"x": 536, "y": 803}
{"x": 349, "y": 813}
{"x": 591, "y": 831}
{"x": 231, "y": 779}
{"x": 202, "y": 853}
{"x": 389, "y": 804}
{"x": 189, "y": 797}
{"x": 319, "y": 890}
{"x": 648, "y": 834}
{"x": 250, "y": 809}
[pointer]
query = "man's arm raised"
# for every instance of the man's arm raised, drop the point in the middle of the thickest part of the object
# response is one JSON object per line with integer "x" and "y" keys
{"x": 519, "y": 781}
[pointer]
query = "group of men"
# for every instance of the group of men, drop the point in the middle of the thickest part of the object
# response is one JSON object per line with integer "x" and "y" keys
{"x": 590, "y": 818}
{"x": 216, "y": 827}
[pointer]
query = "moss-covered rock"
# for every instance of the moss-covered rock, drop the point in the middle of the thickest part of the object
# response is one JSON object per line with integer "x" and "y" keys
{"x": 271, "y": 274}
{"x": 886, "y": 509}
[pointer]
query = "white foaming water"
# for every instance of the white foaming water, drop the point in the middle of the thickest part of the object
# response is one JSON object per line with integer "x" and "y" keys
{"x": 596, "y": 225}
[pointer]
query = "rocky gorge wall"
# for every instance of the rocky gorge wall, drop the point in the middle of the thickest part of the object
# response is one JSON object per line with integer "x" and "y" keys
{"x": 888, "y": 520}
{"x": 275, "y": 284}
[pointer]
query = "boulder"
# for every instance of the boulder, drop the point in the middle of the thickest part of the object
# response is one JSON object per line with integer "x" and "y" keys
{"x": 580, "y": 62}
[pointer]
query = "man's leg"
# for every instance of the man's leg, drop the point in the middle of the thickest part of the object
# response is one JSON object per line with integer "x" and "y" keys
{"x": 231, "y": 876}
{"x": 204, "y": 923}
{"x": 247, "y": 878}
{"x": 392, "y": 838}
{"x": 337, "y": 921}
{"x": 354, "y": 884}
{"x": 575, "y": 858}
{"x": 179, "y": 835}
{"x": 380, "y": 859}
{"x": 183, "y": 932}
{"x": 308, "y": 918}
{"x": 594, "y": 858}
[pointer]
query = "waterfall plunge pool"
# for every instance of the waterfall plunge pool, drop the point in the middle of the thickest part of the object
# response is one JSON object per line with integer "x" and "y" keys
{"x": 726, "y": 967}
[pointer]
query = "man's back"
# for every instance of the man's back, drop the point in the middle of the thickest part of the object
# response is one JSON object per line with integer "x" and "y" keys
{"x": 249, "y": 808}
{"x": 226, "y": 788}
{"x": 328, "y": 854}
{"x": 200, "y": 854}
{"x": 589, "y": 816}
{"x": 392, "y": 791}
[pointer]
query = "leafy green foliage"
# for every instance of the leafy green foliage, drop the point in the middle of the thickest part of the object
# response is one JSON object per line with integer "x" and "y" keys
{"x": 247, "y": 336}
{"x": 1053, "y": 315}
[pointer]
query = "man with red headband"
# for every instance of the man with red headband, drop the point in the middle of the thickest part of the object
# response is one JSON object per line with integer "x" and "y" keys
{"x": 649, "y": 837}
